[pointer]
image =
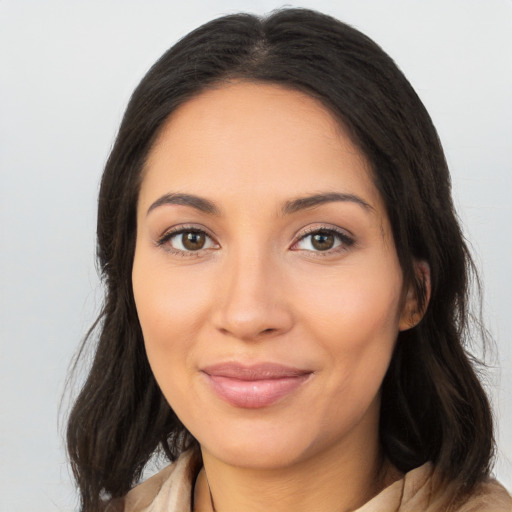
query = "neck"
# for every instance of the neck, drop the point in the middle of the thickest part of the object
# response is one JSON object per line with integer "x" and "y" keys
{"x": 341, "y": 479}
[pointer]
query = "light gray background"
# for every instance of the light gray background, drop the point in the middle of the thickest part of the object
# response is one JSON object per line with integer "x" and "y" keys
{"x": 66, "y": 71}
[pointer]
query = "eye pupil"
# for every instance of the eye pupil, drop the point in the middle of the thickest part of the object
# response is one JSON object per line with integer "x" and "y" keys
{"x": 193, "y": 241}
{"x": 322, "y": 241}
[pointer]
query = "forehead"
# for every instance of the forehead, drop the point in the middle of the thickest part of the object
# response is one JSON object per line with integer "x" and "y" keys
{"x": 253, "y": 139}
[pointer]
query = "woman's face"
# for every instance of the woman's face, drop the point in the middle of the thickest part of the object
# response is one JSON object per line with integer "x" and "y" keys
{"x": 265, "y": 276}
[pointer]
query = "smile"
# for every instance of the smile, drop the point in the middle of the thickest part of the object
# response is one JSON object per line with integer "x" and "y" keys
{"x": 255, "y": 386}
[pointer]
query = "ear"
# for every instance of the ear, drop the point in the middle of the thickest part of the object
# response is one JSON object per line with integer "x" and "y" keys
{"x": 413, "y": 309}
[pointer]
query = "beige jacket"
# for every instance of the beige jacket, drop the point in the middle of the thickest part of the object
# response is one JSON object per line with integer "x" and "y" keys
{"x": 171, "y": 489}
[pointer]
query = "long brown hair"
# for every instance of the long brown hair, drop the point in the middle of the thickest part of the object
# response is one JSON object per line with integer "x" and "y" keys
{"x": 433, "y": 406}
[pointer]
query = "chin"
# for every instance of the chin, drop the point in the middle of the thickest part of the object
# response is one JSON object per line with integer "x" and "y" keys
{"x": 259, "y": 455}
{"x": 266, "y": 446}
{"x": 248, "y": 444}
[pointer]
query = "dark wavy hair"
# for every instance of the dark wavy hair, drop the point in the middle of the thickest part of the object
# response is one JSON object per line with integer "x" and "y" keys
{"x": 433, "y": 405}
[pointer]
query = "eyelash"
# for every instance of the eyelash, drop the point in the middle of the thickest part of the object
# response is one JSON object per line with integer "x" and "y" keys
{"x": 345, "y": 241}
{"x": 168, "y": 235}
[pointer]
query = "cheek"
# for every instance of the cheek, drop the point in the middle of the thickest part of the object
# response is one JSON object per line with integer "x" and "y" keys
{"x": 354, "y": 317}
{"x": 168, "y": 298}
{"x": 356, "y": 304}
{"x": 171, "y": 308}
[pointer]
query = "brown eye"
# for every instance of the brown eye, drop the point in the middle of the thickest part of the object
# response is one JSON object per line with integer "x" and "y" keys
{"x": 193, "y": 241}
{"x": 187, "y": 241}
{"x": 323, "y": 241}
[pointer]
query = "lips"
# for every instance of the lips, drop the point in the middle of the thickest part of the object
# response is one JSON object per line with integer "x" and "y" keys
{"x": 254, "y": 386}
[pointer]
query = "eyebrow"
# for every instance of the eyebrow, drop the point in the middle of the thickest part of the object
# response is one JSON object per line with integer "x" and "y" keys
{"x": 304, "y": 203}
{"x": 199, "y": 203}
{"x": 290, "y": 207}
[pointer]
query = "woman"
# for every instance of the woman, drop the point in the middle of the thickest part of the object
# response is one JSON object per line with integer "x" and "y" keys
{"x": 286, "y": 288}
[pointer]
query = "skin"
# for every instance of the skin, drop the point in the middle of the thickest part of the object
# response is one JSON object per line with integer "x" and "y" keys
{"x": 260, "y": 291}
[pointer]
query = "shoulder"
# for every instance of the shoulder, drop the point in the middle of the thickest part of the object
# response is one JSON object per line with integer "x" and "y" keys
{"x": 170, "y": 489}
{"x": 489, "y": 496}
{"x": 419, "y": 490}
{"x": 422, "y": 490}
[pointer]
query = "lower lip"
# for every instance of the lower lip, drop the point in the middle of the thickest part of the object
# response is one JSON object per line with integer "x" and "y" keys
{"x": 254, "y": 394}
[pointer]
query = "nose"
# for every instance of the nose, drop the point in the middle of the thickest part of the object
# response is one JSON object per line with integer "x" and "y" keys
{"x": 252, "y": 302}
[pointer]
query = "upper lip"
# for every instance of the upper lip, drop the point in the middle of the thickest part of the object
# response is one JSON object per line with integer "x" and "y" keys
{"x": 259, "y": 371}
